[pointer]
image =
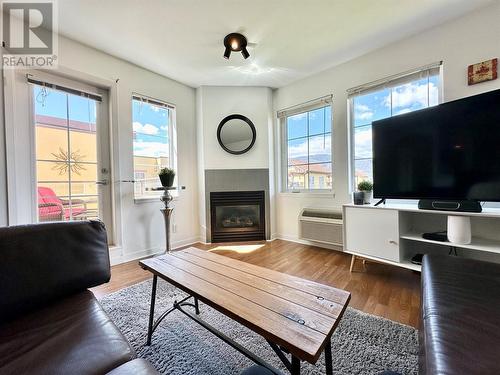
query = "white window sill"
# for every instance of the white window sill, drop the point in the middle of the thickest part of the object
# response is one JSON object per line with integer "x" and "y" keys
{"x": 308, "y": 194}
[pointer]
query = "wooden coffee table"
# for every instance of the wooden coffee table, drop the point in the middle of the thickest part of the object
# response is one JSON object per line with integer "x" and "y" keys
{"x": 294, "y": 315}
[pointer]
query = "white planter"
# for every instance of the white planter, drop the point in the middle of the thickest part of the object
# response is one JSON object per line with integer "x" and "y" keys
{"x": 368, "y": 196}
{"x": 459, "y": 230}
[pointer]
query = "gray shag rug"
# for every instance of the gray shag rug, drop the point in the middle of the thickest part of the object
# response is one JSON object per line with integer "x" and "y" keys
{"x": 361, "y": 344}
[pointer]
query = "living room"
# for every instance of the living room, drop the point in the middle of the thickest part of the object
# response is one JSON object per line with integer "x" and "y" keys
{"x": 218, "y": 158}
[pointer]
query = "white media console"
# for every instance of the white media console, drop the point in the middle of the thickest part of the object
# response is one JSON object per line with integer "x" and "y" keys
{"x": 393, "y": 233}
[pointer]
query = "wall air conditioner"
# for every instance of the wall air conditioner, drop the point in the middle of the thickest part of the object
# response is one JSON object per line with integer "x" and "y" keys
{"x": 321, "y": 225}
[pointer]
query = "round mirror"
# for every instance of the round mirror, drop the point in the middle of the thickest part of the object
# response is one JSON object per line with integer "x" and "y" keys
{"x": 236, "y": 134}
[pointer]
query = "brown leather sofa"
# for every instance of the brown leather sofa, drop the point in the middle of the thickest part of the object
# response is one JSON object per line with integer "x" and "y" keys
{"x": 460, "y": 327}
{"x": 49, "y": 322}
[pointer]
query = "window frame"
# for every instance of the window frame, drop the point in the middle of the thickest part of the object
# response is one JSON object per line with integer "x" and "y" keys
{"x": 389, "y": 82}
{"x": 172, "y": 137}
{"x": 73, "y": 85}
{"x": 282, "y": 119}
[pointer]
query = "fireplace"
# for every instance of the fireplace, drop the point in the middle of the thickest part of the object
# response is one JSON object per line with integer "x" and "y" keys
{"x": 238, "y": 216}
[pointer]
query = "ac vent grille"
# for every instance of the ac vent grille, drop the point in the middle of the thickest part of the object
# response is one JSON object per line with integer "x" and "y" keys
{"x": 323, "y": 226}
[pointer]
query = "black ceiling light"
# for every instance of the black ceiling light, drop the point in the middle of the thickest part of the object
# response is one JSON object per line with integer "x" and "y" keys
{"x": 235, "y": 42}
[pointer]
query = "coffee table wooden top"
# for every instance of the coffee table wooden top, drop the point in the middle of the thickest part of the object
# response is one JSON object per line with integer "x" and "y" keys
{"x": 300, "y": 315}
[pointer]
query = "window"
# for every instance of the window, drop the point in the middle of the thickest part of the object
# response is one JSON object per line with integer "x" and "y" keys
{"x": 153, "y": 125}
{"x": 307, "y": 146}
{"x": 390, "y": 97}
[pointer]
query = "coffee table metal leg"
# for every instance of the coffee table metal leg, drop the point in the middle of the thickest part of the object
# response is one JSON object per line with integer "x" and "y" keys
{"x": 328, "y": 357}
{"x": 295, "y": 366}
{"x": 152, "y": 309}
{"x": 196, "y": 306}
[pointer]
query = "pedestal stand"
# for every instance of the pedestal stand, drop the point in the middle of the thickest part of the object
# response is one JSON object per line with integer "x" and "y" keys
{"x": 166, "y": 198}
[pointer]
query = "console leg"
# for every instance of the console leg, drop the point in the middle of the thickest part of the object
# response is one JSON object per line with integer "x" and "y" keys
{"x": 353, "y": 259}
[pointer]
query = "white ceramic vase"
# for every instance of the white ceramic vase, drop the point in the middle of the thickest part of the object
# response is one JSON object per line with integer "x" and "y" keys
{"x": 459, "y": 230}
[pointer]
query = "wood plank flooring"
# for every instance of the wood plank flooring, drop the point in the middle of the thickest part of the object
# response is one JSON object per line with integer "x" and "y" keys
{"x": 378, "y": 289}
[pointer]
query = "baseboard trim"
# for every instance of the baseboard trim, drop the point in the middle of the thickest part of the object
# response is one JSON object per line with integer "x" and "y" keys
{"x": 119, "y": 255}
{"x": 296, "y": 239}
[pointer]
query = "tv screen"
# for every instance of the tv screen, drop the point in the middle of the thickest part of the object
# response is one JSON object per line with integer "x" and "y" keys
{"x": 450, "y": 151}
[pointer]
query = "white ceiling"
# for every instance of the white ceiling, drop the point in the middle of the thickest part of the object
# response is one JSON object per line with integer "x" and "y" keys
{"x": 182, "y": 39}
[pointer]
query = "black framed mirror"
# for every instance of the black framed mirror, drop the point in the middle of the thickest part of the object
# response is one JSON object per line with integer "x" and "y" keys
{"x": 236, "y": 134}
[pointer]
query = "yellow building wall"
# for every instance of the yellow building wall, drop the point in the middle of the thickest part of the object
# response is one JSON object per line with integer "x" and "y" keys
{"x": 301, "y": 180}
{"x": 54, "y": 171}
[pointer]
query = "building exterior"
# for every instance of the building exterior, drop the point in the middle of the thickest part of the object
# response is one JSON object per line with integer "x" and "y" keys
{"x": 309, "y": 176}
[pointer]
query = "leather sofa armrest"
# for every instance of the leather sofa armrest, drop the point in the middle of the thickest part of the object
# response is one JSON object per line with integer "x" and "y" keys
{"x": 42, "y": 263}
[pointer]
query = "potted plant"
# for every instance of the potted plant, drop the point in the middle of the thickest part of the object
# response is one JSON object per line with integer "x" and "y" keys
{"x": 167, "y": 176}
{"x": 366, "y": 187}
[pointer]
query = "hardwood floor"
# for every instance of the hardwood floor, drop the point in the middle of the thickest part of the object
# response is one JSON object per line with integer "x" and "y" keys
{"x": 378, "y": 289}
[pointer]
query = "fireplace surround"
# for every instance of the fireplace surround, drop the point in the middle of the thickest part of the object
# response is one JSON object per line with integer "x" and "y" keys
{"x": 238, "y": 216}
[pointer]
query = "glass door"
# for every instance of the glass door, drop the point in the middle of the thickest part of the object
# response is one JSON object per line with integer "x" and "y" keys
{"x": 71, "y": 153}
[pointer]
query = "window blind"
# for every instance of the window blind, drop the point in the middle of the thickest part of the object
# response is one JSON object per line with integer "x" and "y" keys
{"x": 152, "y": 101}
{"x": 305, "y": 107}
{"x": 397, "y": 80}
{"x": 89, "y": 95}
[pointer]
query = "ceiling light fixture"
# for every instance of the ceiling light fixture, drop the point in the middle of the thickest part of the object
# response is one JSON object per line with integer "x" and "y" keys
{"x": 235, "y": 42}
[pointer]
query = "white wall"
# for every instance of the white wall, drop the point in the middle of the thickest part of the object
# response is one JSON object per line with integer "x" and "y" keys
{"x": 3, "y": 166}
{"x": 219, "y": 102}
{"x": 467, "y": 40}
{"x": 140, "y": 225}
{"x": 213, "y": 103}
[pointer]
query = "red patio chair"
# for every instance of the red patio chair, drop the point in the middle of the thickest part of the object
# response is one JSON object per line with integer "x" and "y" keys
{"x": 53, "y": 208}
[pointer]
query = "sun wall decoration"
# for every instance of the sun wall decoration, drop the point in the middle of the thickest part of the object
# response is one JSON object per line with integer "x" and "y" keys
{"x": 69, "y": 161}
{"x": 483, "y": 71}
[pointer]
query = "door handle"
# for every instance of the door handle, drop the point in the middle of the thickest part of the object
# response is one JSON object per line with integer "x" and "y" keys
{"x": 393, "y": 242}
{"x": 101, "y": 182}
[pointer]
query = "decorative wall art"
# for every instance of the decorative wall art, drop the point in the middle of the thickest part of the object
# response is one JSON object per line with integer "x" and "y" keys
{"x": 483, "y": 71}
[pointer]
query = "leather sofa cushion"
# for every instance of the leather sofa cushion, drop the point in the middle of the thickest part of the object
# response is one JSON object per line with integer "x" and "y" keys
{"x": 73, "y": 336}
{"x": 43, "y": 263}
{"x": 138, "y": 366}
{"x": 460, "y": 316}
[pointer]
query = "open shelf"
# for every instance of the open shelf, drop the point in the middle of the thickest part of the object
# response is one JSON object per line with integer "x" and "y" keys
{"x": 477, "y": 243}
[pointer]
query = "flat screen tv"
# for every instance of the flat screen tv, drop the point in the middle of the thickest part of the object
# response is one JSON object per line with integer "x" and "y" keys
{"x": 449, "y": 152}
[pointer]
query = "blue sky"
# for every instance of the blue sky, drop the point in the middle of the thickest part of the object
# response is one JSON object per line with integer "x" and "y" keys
{"x": 310, "y": 132}
{"x": 150, "y": 123}
{"x": 398, "y": 100}
{"x": 55, "y": 104}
